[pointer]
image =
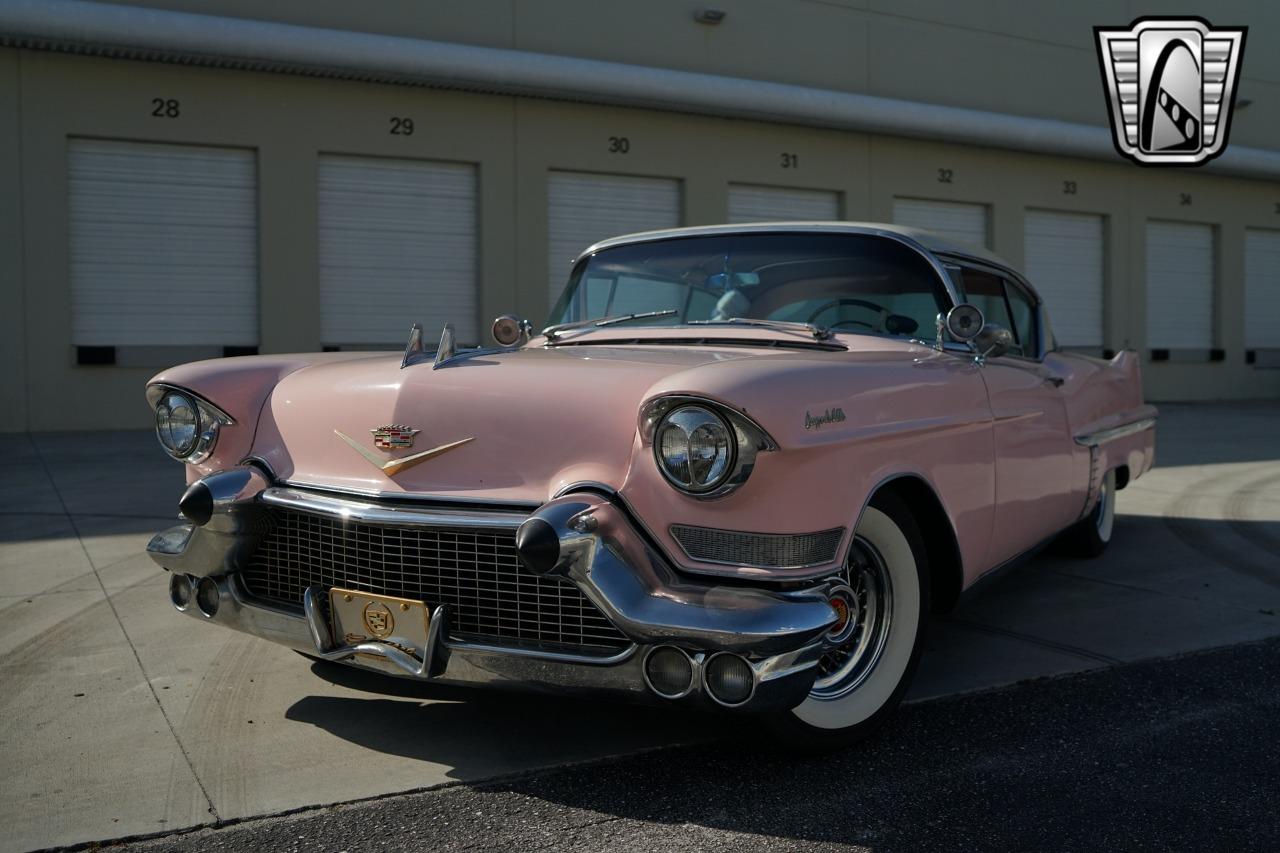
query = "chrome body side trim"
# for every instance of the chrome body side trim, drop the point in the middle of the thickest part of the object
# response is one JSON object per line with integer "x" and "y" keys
{"x": 1102, "y": 436}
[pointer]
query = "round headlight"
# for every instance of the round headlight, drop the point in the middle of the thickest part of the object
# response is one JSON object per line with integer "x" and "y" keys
{"x": 695, "y": 448}
{"x": 178, "y": 424}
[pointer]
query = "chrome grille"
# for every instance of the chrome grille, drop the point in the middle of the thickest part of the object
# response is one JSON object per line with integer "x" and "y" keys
{"x": 490, "y": 595}
{"x": 768, "y": 550}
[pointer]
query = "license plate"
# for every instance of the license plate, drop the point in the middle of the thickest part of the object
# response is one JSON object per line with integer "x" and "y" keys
{"x": 360, "y": 617}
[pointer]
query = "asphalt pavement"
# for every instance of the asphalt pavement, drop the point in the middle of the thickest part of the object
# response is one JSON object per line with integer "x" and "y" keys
{"x": 1178, "y": 754}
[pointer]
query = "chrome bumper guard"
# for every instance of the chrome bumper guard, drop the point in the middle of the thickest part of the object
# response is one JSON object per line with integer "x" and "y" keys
{"x": 779, "y": 634}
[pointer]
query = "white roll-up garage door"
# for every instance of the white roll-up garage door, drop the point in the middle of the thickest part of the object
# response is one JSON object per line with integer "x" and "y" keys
{"x": 749, "y": 203}
{"x": 164, "y": 244}
{"x": 1179, "y": 286}
{"x": 584, "y": 208}
{"x": 398, "y": 245}
{"x": 1261, "y": 289}
{"x": 958, "y": 221}
{"x": 1064, "y": 253}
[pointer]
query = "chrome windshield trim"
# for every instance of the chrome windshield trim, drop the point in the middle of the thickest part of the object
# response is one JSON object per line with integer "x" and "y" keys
{"x": 371, "y": 513}
{"x": 1102, "y": 436}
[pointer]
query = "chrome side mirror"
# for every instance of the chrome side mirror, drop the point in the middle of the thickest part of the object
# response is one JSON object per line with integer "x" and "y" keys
{"x": 964, "y": 322}
{"x": 993, "y": 341}
{"x": 510, "y": 330}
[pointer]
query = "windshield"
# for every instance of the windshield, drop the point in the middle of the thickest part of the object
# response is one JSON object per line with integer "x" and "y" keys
{"x": 844, "y": 282}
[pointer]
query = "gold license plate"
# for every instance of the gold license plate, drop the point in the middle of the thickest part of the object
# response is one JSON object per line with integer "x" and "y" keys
{"x": 360, "y": 617}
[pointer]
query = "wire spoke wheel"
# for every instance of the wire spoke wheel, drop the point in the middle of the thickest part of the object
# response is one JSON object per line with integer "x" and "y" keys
{"x": 859, "y": 638}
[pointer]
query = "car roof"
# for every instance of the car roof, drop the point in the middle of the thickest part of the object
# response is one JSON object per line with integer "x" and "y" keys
{"x": 929, "y": 240}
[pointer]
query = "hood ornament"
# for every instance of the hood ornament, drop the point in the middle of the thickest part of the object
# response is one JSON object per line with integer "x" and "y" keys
{"x": 448, "y": 347}
{"x": 414, "y": 347}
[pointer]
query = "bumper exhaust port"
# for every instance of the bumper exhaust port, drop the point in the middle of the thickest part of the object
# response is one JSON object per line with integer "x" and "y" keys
{"x": 729, "y": 679}
{"x": 180, "y": 591}
{"x": 669, "y": 672}
{"x": 207, "y": 597}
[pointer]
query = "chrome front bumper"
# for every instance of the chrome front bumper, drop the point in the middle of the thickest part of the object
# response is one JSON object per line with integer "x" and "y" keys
{"x": 779, "y": 634}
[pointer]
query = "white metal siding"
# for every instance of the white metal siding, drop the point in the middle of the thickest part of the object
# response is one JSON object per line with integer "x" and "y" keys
{"x": 959, "y": 221}
{"x": 1179, "y": 285}
{"x": 1064, "y": 253}
{"x": 163, "y": 243}
{"x": 1261, "y": 289}
{"x": 398, "y": 245}
{"x": 584, "y": 209}
{"x": 748, "y": 203}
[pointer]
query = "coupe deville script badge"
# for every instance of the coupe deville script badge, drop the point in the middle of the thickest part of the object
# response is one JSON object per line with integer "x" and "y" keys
{"x": 393, "y": 437}
{"x": 392, "y": 467}
{"x": 830, "y": 416}
{"x": 1171, "y": 83}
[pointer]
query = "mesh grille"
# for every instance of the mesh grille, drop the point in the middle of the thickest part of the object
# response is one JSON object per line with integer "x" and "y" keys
{"x": 770, "y": 550}
{"x": 476, "y": 572}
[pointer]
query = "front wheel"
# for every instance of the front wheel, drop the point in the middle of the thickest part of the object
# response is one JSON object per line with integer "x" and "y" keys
{"x": 883, "y": 602}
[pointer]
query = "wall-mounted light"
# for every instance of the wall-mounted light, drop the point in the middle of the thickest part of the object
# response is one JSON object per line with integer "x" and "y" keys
{"x": 709, "y": 16}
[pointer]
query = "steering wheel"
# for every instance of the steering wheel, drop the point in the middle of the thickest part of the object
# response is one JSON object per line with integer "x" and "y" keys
{"x": 878, "y": 326}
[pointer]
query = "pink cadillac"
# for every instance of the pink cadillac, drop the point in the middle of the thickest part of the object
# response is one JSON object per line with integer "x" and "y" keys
{"x": 740, "y": 468}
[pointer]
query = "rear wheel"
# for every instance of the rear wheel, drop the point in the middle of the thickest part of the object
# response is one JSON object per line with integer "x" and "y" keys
{"x": 1090, "y": 536}
{"x": 884, "y": 601}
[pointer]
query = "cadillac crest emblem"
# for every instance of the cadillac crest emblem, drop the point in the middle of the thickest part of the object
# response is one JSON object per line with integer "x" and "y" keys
{"x": 378, "y": 619}
{"x": 393, "y": 437}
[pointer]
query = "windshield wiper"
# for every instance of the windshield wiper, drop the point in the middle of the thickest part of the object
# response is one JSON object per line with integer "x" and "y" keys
{"x": 821, "y": 333}
{"x": 551, "y": 332}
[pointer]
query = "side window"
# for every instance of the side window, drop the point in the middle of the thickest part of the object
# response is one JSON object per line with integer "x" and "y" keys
{"x": 1004, "y": 304}
{"x": 986, "y": 291}
{"x": 1023, "y": 314}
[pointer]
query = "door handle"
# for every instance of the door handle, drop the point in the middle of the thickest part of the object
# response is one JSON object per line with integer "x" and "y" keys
{"x": 1055, "y": 381}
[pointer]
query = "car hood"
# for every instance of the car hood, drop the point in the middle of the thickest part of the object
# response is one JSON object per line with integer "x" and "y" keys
{"x": 533, "y": 420}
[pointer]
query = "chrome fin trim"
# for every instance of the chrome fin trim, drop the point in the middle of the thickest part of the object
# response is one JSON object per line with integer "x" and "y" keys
{"x": 1102, "y": 436}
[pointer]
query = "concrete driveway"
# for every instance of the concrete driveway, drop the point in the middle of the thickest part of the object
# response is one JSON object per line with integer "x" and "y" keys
{"x": 121, "y": 717}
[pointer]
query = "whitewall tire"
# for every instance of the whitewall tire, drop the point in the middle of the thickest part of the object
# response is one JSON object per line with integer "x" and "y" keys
{"x": 863, "y": 676}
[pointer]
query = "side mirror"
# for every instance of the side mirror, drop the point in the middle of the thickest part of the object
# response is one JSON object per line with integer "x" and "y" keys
{"x": 510, "y": 330}
{"x": 993, "y": 341}
{"x": 964, "y": 322}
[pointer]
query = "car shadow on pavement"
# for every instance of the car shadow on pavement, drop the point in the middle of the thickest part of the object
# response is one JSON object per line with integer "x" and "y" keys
{"x": 478, "y": 732}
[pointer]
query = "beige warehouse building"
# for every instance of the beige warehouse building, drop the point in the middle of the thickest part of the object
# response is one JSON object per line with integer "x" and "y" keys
{"x": 184, "y": 179}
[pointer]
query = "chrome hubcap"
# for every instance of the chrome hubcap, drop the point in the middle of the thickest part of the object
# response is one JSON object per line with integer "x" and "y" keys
{"x": 858, "y": 640}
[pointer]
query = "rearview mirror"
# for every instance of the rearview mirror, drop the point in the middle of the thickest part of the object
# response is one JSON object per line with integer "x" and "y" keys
{"x": 993, "y": 341}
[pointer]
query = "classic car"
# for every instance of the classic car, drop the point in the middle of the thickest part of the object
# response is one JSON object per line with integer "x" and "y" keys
{"x": 740, "y": 468}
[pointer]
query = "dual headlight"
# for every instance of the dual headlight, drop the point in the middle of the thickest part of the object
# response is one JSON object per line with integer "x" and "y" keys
{"x": 186, "y": 425}
{"x": 702, "y": 448}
